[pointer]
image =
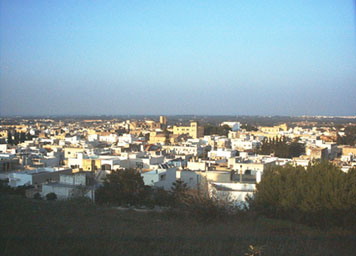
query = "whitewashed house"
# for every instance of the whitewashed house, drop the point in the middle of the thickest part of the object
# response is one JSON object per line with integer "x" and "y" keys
{"x": 73, "y": 185}
{"x": 36, "y": 176}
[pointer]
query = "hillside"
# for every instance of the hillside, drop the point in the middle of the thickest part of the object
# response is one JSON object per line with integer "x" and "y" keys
{"x": 30, "y": 227}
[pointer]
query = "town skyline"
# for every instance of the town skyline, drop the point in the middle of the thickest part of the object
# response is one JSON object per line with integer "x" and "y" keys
{"x": 188, "y": 170}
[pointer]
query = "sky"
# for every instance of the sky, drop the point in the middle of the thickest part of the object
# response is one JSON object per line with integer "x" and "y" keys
{"x": 240, "y": 57}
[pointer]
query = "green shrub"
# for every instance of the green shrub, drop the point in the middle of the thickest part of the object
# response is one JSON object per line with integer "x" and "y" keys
{"x": 162, "y": 197}
{"x": 37, "y": 196}
{"x": 19, "y": 190}
{"x": 321, "y": 195}
{"x": 204, "y": 208}
{"x": 122, "y": 187}
{"x": 4, "y": 187}
{"x": 51, "y": 196}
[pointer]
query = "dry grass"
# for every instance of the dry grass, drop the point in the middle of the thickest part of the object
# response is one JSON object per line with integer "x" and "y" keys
{"x": 30, "y": 227}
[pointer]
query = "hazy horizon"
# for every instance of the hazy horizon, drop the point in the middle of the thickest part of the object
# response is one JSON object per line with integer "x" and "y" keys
{"x": 266, "y": 58}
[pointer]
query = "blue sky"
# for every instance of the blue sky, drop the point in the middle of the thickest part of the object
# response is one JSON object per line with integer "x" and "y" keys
{"x": 240, "y": 57}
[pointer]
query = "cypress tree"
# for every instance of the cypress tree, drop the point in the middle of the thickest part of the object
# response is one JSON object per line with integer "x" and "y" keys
{"x": 9, "y": 138}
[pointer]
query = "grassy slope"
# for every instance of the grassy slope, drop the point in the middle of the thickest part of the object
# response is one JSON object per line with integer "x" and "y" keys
{"x": 29, "y": 227}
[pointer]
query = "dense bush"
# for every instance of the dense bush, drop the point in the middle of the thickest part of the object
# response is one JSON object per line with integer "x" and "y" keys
{"x": 200, "y": 204}
{"x": 51, "y": 196}
{"x": 349, "y": 138}
{"x": 249, "y": 127}
{"x": 219, "y": 130}
{"x": 202, "y": 207}
{"x": 14, "y": 137}
{"x": 122, "y": 187}
{"x": 179, "y": 191}
{"x": 37, "y": 196}
{"x": 6, "y": 189}
{"x": 161, "y": 197}
{"x": 281, "y": 147}
{"x": 320, "y": 195}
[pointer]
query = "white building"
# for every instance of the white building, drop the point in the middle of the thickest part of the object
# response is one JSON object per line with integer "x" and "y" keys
{"x": 164, "y": 178}
{"x": 240, "y": 144}
{"x": 76, "y": 162}
{"x": 145, "y": 162}
{"x": 185, "y": 150}
{"x": 35, "y": 177}
{"x": 71, "y": 185}
{"x": 111, "y": 138}
{"x": 126, "y": 138}
{"x": 221, "y": 153}
{"x": 72, "y": 140}
{"x": 160, "y": 178}
{"x": 192, "y": 179}
{"x": 249, "y": 166}
{"x": 235, "y": 126}
{"x": 93, "y": 137}
{"x": 233, "y": 193}
{"x": 3, "y": 148}
{"x": 197, "y": 166}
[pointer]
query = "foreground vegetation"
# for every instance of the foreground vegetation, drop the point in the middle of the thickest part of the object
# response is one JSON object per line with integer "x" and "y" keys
{"x": 39, "y": 227}
{"x": 321, "y": 195}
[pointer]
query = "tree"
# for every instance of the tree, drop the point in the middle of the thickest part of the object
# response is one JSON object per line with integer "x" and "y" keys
{"x": 320, "y": 195}
{"x": 37, "y": 196}
{"x": 166, "y": 135}
{"x": 29, "y": 136}
{"x": 51, "y": 196}
{"x": 219, "y": 130}
{"x": 179, "y": 190}
{"x": 179, "y": 187}
{"x": 296, "y": 149}
{"x": 162, "y": 197}
{"x": 4, "y": 186}
{"x": 22, "y": 137}
{"x": 249, "y": 127}
{"x": 16, "y": 138}
{"x": 122, "y": 187}
{"x": 10, "y": 141}
{"x": 349, "y": 138}
{"x": 281, "y": 147}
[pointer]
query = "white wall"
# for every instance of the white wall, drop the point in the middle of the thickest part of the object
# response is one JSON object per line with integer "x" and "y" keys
{"x": 19, "y": 179}
{"x": 64, "y": 192}
{"x": 3, "y": 148}
{"x": 150, "y": 178}
{"x": 73, "y": 179}
{"x": 192, "y": 179}
{"x": 196, "y": 166}
{"x": 236, "y": 193}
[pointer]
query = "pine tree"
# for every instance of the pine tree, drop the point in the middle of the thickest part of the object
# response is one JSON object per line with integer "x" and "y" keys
{"x": 16, "y": 138}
